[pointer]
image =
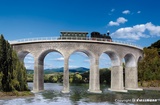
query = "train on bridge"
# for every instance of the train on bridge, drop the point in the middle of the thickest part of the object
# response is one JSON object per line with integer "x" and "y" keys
{"x": 84, "y": 36}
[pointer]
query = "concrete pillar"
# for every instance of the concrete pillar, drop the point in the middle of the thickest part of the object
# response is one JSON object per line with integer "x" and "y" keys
{"x": 117, "y": 79}
{"x": 66, "y": 76}
{"x": 131, "y": 78}
{"x": 38, "y": 82}
{"x": 94, "y": 82}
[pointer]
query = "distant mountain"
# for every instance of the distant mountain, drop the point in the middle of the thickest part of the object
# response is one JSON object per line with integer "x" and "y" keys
{"x": 80, "y": 69}
{"x": 49, "y": 71}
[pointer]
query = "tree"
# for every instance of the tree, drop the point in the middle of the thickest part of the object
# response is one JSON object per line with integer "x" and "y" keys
{"x": 12, "y": 71}
{"x": 1, "y": 75}
{"x": 105, "y": 76}
{"x": 149, "y": 67}
{"x": 20, "y": 75}
{"x": 77, "y": 78}
{"x": 6, "y": 64}
{"x": 156, "y": 45}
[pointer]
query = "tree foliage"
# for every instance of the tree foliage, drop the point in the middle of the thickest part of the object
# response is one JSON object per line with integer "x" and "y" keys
{"x": 12, "y": 71}
{"x": 149, "y": 67}
{"x": 156, "y": 45}
{"x": 105, "y": 76}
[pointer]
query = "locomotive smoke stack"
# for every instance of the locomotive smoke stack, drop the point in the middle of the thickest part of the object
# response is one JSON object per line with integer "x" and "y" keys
{"x": 108, "y": 33}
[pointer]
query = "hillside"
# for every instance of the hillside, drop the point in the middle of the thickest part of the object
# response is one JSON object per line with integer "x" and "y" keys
{"x": 156, "y": 45}
{"x": 55, "y": 70}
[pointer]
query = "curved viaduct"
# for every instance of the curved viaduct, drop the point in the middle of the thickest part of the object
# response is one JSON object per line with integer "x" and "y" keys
{"x": 93, "y": 49}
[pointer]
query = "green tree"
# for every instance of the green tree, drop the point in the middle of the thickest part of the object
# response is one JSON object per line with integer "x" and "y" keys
{"x": 156, "y": 45}
{"x": 12, "y": 71}
{"x": 53, "y": 78}
{"x": 85, "y": 77}
{"x": 20, "y": 74}
{"x": 1, "y": 75}
{"x": 105, "y": 76}
{"x": 6, "y": 64}
{"x": 77, "y": 78}
{"x": 149, "y": 67}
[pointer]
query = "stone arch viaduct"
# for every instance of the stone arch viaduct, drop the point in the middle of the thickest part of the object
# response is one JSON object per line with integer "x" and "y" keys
{"x": 93, "y": 49}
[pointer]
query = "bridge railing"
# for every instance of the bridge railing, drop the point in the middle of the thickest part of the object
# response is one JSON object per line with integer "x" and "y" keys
{"x": 38, "y": 39}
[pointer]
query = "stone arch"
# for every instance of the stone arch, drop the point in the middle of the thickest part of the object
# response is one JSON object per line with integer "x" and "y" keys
{"x": 140, "y": 58}
{"x": 88, "y": 53}
{"x": 116, "y": 71}
{"x": 22, "y": 54}
{"x": 131, "y": 78}
{"x": 45, "y": 52}
{"x": 115, "y": 61}
{"x": 94, "y": 85}
{"x": 130, "y": 60}
{"x": 39, "y": 69}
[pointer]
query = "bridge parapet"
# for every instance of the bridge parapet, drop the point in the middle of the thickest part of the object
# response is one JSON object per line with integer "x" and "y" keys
{"x": 45, "y": 39}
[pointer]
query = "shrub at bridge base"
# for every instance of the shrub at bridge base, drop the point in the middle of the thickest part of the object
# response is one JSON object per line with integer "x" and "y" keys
{"x": 152, "y": 83}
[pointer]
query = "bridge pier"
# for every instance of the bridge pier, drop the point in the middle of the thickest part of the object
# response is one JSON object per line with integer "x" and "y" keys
{"x": 131, "y": 78}
{"x": 94, "y": 85}
{"x": 66, "y": 76}
{"x": 117, "y": 79}
{"x": 38, "y": 82}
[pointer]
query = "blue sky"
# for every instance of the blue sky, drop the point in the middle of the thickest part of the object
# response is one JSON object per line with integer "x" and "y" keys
{"x": 135, "y": 21}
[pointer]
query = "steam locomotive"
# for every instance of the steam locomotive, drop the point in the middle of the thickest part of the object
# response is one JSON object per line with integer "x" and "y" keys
{"x": 98, "y": 36}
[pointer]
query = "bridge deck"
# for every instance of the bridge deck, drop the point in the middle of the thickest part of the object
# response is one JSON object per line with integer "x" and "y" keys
{"x": 77, "y": 39}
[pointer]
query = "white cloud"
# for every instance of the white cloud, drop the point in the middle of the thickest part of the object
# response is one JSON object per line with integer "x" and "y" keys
{"x": 138, "y": 11}
{"x": 81, "y": 54}
{"x": 111, "y": 23}
{"x": 59, "y": 59}
{"x": 126, "y": 12}
{"x": 73, "y": 67}
{"x": 120, "y": 20}
{"x": 136, "y": 32}
{"x": 62, "y": 59}
{"x": 153, "y": 30}
{"x": 112, "y": 10}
